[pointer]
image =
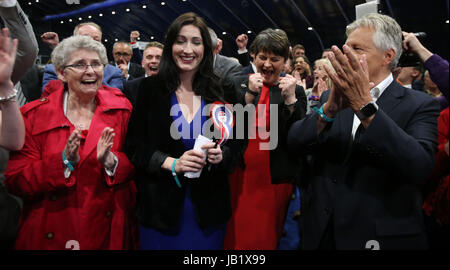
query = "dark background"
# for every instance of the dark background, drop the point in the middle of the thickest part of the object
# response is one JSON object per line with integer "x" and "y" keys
{"x": 327, "y": 17}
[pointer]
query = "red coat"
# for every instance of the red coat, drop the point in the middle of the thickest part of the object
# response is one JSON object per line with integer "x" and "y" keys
{"x": 438, "y": 200}
{"x": 89, "y": 210}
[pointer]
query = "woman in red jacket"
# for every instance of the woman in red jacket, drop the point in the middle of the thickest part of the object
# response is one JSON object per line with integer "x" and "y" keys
{"x": 71, "y": 174}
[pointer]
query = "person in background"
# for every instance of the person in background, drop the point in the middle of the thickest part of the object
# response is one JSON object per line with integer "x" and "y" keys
{"x": 325, "y": 53}
{"x": 322, "y": 82}
{"x": 298, "y": 50}
{"x": 408, "y": 75}
{"x": 302, "y": 72}
{"x": 152, "y": 57}
{"x": 150, "y": 62}
{"x": 71, "y": 173}
{"x": 137, "y": 55}
{"x": 436, "y": 65}
{"x": 433, "y": 90}
{"x": 289, "y": 66}
{"x": 122, "y": 54}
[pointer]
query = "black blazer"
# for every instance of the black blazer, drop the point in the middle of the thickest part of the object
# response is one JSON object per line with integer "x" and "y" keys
{"x": 283, "y": 164}
{"x": 130, "y": 89}
{"x": 371, "y": 188}
{"x": 148, "y": 143}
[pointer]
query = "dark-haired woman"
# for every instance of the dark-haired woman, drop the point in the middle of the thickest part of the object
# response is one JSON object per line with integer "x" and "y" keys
{"x": 176, "y": 212}
{"x": 262, "y": 187}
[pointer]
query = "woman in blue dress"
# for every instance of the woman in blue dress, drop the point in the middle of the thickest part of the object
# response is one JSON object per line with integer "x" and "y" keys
{"x": 176, "y": 212}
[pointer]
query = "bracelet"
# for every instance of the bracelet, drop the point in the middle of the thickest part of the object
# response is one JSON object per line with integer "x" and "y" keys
{"x": 324, "y": 117}
{"x": 68, "y": 163}
{"x": 252, "y": 92}
{"x": 175, "y": 174}
{"x": 9, "y": 97}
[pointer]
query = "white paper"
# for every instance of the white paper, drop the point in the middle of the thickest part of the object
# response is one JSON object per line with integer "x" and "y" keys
{"x": 363, "y": 9}
{"x": 199, "y": 142}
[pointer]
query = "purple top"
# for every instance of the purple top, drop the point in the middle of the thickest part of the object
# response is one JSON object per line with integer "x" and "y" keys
{"x": 438, "y": 68}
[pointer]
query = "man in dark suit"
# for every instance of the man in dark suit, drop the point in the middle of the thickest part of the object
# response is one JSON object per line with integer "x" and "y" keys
{"x": 373, "y": 143}
{"x": 122, "y": 54}
{"x": 150, "y": 62}
{"x": 224, "y": 67}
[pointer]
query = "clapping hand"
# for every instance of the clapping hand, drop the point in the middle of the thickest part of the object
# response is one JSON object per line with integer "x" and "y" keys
{"x": 72, "y": 146}
{"x": 104, "y": 145}
{"x": 287, "y": 86}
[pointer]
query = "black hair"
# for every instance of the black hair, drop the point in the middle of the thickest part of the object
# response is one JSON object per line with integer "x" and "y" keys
{"x": 206, "y": 82}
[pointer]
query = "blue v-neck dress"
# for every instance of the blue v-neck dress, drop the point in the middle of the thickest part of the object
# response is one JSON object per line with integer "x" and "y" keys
{"x": 188, "y": 235}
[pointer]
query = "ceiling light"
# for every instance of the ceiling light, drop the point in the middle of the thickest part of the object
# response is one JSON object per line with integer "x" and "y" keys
{"x": 144, "y": 6}
{"x": 113, "y": 12}
{"x": 224, "y": 33}
{"x": 446, "y": 21}
{"x": 116, "y": 39}
{"x": 152, "y": 37}
{"x": 310, "y": 28}
{"x": 127, "y": 10}
{"x": 138, "y": 38}
{"x": 101, "y": 14}
{"x": 249, "y": 32}
{"x": 29, "y": 3}
{"x": 80, "y": 19}
{"x": 70, "y": 20}
{"x": 163, "y": 3}
{"x": 106, "y": 40}
{"x": 62, "y": 22}
{"x": 89, "y": 16}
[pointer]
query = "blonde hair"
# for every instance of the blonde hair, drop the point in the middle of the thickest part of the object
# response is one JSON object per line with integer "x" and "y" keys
{"x": 322, "y": 62}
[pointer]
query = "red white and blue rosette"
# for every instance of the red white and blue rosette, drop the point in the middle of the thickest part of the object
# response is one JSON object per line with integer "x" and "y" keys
{"x": 222, "y": 117}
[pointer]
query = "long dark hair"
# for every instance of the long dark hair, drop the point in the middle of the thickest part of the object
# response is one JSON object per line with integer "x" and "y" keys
{"x": 206, "y": 83}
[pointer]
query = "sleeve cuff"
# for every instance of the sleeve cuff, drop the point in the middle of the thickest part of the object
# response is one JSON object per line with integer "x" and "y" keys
{"x": 8, "y": 3}
{"x": 134, "y": 45}
{"x": 156, "y": 161}
{"x": 111, "y": 173}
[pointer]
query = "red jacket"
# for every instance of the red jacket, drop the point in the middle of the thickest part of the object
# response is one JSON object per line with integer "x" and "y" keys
{"x": 88, "y": 210}
{"x": 438, "y": 200}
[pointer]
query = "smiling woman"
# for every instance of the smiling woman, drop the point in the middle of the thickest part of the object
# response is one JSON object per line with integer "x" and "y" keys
{"x": 177, "y": 212}
{"x": 71, "y": 173}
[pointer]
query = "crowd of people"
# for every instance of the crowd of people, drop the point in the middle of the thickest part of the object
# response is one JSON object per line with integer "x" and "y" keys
{"x": 180, "y": 147}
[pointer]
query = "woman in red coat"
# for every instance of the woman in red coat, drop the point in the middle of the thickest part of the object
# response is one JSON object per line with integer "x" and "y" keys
{"x": 71, "y": 174}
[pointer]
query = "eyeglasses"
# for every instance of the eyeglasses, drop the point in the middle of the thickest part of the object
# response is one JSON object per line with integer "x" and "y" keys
{"x": 81, "y": 67}
{"x": 119, "y": 54}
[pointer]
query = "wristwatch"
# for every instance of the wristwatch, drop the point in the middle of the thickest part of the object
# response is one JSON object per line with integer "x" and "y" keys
{"x": 367, "y": 110}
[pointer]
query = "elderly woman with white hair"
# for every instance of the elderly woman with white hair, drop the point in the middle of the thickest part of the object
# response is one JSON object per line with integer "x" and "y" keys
{"x": 71, "y": 173}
